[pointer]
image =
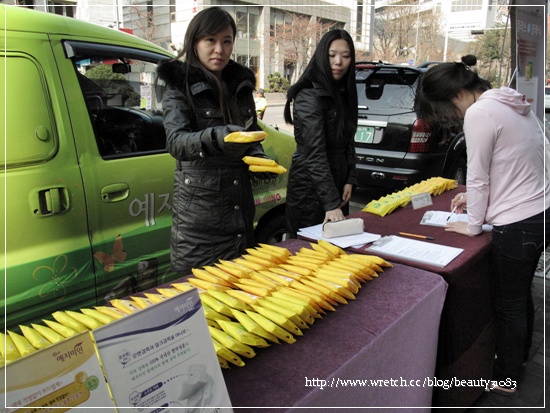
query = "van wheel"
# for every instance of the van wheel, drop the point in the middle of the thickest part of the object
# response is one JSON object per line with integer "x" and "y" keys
{"x": 459, "y": 173}
{"x": 274, "y": 231}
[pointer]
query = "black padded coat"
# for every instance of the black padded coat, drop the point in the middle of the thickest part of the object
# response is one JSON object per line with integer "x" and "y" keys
{"x": 324, "y": 160}
{"x": 213, "y": 205}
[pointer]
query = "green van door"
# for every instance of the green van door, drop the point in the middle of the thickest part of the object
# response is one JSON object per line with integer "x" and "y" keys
{"x": 87, "y": 184}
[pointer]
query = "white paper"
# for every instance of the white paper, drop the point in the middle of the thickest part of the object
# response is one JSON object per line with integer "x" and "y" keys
{"x": 316, "y": 232}
{"x": 418, "y": 251}
{"x": 440, "y": 218}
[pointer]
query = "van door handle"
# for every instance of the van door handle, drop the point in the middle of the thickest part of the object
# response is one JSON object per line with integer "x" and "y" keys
{"x": 115, "y": 192}
{"x": 50, "y": 201}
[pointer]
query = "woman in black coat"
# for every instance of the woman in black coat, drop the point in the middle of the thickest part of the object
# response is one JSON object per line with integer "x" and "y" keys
{"x": 207, "y": 97}
{"x": 323, "y": 174}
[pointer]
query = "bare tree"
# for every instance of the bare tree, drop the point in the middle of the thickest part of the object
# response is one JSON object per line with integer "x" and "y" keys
{"x": 395, "y": 31}
{"x": 143, "y": 21}
{"x": 493, "y": 51}
{"x": 295, "y": 39}
{"x": 431, "y": 40}
{"x": 407, "y": 31}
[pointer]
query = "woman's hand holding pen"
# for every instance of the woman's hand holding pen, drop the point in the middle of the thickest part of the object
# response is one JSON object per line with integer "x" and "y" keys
{"x": 458, "y": 204}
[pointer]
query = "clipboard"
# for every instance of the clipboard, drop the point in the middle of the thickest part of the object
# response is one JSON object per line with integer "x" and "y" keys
{"x": 440, "y": 218}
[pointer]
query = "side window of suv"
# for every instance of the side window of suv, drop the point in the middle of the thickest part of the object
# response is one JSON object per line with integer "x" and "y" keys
{"x": 120, "y": 96}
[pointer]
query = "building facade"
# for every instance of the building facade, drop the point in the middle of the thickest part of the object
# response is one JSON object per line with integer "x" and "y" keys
{"x": 260, "y": 25}
{"x": 260, "y": 41}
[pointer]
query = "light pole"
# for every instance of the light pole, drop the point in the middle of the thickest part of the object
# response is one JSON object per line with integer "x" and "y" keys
{"x": 446, "y": 44}
{"x": 417, "y": 27}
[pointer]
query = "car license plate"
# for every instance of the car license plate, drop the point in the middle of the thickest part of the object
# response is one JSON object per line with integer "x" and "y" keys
{"x": 364, "y": 134}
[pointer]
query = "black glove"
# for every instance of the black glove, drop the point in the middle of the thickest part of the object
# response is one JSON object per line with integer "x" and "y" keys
{"x": 237, "y": 150}
{"x": 263, "y": 175}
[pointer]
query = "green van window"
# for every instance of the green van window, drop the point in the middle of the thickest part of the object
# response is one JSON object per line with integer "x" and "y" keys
{"x": 28, "y": 117}
{"x": 122, "y": 105}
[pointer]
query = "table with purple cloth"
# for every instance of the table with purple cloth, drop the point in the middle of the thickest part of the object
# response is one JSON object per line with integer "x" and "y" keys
{"x": 385, "y": 340}
{"x": 466, "y": 336}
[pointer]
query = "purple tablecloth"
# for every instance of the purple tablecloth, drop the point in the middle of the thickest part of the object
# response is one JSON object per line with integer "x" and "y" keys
{"x": 466, "y": 336}
{"x": 388, "y": 333}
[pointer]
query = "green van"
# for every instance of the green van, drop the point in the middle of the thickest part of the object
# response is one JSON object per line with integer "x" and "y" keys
{"x": 87, "y": 183}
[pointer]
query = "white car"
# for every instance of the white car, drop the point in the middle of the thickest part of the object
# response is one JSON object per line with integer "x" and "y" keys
{"x": 547, "y": 99}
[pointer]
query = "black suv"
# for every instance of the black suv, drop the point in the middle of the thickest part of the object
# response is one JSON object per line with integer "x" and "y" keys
{"x": 395, "y": 147}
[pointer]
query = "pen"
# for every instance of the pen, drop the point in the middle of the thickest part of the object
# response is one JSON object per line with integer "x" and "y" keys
{"x": 416, "y": 235}
{"x": 454, "y": 209}
{"x": 452, "y": 212}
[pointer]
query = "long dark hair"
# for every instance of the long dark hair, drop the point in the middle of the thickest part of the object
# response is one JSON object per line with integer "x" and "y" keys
{"x": 207, "y": 22}
{"x": 443, "y": 82}
{"x": 344, "y": 92}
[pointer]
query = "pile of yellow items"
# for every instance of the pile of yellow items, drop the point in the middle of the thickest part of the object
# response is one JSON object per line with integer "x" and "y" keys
{"x": 270, "y": 295}
{"x": 266, "y": 296}
{"x": 387, "y": 204}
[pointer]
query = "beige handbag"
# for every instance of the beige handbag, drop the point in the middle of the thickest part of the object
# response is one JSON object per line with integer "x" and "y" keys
{"x": 333, "y": 229}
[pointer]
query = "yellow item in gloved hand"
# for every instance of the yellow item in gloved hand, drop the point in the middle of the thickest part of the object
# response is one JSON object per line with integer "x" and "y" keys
{"x": 257, "y": 164}
{"x": 245, "y": 137}
{"x": 255, "y": 160}
{"x": 279, "y": 169}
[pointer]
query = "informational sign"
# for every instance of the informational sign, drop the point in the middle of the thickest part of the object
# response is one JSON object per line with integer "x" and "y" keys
{"x": 162, "y": 359}
{"x": 531, "y": 18}
{"x": 146, "y": 91}
{"x": 56, "y": 379}
{"x": 421, "y": 200}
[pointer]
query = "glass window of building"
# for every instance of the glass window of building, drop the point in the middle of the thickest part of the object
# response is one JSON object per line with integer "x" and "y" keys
{"x": 466, "y": 5}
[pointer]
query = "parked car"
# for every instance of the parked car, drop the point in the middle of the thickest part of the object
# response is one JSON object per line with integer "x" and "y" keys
{"x": 395, "y": 147}
{"x": 86, "y": 181}
{"x": 547, "y": 99}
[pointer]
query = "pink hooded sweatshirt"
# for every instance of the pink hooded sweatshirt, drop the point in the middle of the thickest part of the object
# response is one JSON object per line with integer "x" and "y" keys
{"x": 505, "y": 147}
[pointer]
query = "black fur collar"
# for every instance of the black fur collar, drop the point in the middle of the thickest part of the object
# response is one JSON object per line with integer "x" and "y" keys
{"x": 173, "y": 72}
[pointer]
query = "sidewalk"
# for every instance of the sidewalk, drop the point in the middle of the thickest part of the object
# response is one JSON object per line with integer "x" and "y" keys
{"x": 531, "y": 386}
{"x": 275, "y": 99}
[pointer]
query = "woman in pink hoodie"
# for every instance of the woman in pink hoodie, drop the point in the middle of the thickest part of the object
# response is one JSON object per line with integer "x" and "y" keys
{"x": 505, "y": 187}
